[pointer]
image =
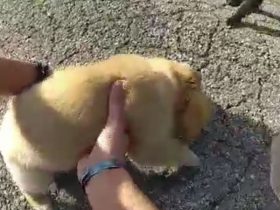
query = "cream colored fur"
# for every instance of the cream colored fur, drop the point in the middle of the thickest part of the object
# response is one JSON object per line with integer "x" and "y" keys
{"x": 47, "y": 127}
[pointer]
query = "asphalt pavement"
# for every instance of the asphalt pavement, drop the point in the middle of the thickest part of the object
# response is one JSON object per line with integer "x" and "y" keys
{"x": 241, "y": 73}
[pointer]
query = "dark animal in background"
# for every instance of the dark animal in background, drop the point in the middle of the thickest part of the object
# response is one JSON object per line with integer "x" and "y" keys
{"x": 246, "y": 8}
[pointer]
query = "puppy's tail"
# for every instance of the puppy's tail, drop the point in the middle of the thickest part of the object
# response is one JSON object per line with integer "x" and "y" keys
{"x": 275, "y": 166}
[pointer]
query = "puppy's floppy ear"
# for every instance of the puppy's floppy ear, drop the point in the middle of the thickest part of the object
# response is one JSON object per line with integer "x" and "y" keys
{"x": 188, "y": 80}
{"x": 186, "y": 76}
{"x": 196, "y": 114}
{"x": 193, "y": 107}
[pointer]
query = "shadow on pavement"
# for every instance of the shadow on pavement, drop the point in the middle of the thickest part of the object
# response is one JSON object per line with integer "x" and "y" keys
{"x": 262, "y": 29}
{"x": 234, "y": 152}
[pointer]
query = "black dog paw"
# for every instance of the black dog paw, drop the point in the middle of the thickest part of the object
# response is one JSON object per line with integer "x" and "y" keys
{"x": 233, "y": 21}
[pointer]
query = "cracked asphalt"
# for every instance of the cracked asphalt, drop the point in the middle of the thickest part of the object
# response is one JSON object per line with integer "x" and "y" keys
{"x": 240, "y": 69}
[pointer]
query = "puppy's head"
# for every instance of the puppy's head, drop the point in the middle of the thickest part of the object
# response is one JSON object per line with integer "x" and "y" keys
{"x": 193, "y": 107}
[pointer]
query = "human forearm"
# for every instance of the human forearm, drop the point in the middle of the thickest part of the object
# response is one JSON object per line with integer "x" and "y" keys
{"x": 110, "y": 186}
{"x": 115, "y": 189}
{"x": 15, "y": 75}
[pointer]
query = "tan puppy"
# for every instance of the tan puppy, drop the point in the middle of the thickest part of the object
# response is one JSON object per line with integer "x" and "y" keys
{"x": 47, "y": 127}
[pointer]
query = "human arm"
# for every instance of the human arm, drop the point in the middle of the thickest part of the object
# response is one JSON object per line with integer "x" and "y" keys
{"x": 16, "y": 75}
{"x": 113, "y": 189}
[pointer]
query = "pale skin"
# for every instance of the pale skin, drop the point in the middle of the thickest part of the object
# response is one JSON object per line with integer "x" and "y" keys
{"x": 15, "y": 76}
{"x": 115, "y": 185}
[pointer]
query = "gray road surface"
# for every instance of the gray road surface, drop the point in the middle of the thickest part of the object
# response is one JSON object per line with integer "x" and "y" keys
{"x": 241, "y": 72}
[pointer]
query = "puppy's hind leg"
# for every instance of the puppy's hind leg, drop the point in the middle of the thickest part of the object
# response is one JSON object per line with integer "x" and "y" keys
{"x": 34, "y": 185}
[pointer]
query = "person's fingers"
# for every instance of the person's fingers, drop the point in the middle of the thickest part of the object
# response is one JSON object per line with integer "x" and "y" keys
{"x": 116, "y": 115}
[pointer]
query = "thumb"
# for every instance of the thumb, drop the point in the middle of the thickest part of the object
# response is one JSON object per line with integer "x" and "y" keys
{"x": 116, "y": 115}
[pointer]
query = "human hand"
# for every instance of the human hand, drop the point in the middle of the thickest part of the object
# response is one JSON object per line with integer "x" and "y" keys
{"x": 112, "y": 141}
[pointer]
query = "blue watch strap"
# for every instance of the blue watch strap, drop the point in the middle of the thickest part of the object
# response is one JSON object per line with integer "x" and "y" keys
{"x": 94, "y": 170}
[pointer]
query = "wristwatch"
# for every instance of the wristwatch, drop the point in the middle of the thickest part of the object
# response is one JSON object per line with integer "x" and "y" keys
{"x": 43, "y": 71}
{"x": 93, "y": 170}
